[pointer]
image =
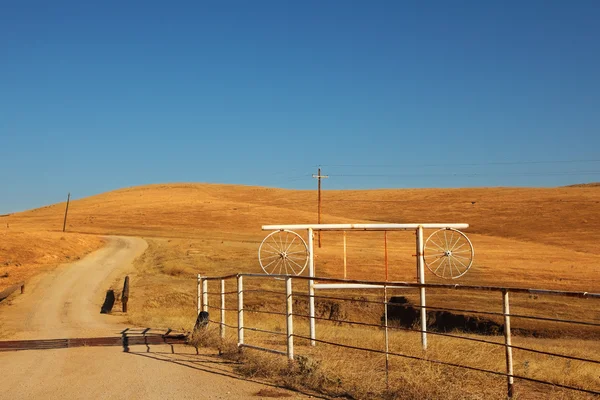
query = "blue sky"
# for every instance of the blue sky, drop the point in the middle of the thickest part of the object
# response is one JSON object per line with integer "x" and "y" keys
{"x": 100, "y": 95}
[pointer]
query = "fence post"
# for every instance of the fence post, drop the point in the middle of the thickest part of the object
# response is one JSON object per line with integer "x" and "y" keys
{"x": 311, "y": 287}
{"x": 199, "y": 293}
{"x": 421, "y": 275}
{"x": 387, "y": 338}
{"x": 345, "y": 275}
{"x": 385, "y": 250}
{"x": 205, "y": 295}
{"x": 289, "y": 318}
{"x": 507, "y": 343}
{"x": 240, "y": 293}
{"x": 222, "y": 308}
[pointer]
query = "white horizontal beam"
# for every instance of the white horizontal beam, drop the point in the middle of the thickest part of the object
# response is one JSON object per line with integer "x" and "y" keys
{"x": 362, "y": 227}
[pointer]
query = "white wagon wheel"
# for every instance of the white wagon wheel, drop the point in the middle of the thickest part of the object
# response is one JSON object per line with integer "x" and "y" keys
{"x": 283, "y": 252}
{"x": 448, "y": 253}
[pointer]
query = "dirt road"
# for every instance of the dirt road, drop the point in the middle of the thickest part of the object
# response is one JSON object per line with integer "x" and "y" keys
{"x": 65, "y": 303}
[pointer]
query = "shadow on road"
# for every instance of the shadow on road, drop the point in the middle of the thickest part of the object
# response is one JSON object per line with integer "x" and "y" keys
{"x": 128, "y": 337}
{"x": 212, "y": 364}
{"x": 109, "y": 302}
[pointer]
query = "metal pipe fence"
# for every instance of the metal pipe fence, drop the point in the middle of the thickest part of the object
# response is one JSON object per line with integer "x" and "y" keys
{"x": 385, "y": 287}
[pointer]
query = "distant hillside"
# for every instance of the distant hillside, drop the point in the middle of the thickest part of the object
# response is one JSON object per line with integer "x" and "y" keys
{"x": 592, "y": 184}
{"x": 565, "y": 216}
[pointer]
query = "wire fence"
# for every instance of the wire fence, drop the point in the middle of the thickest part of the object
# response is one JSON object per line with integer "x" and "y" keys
{"x": 285, "y": 299}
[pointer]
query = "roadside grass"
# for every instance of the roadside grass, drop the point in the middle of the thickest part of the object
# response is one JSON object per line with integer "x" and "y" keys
{"x": 341, "y": 372}
{"x": 25, "y": 254}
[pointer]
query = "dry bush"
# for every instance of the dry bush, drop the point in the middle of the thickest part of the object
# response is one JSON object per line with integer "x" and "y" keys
{"x": 175, "y": 270}
{"x": 210, "y": 337}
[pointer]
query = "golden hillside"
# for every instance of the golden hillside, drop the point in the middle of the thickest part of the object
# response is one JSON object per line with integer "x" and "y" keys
{"x": 567, "y": 216}
{"x": 518, "y": 233}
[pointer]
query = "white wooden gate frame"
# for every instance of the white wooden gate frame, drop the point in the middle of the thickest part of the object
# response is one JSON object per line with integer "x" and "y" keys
{"x": 312, "y": 286}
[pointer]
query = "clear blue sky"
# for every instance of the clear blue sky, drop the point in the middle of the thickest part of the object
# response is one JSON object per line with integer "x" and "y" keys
{"x": 100, "y": 95}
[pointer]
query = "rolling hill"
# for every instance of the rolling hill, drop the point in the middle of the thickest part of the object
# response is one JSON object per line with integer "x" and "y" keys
{"x": 566, "y": 216}
{"x": 519, "y": 233}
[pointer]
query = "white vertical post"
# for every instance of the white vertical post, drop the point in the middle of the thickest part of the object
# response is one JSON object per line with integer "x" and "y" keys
{"x": 222, "y": 308}
{"x": 386, "y": 255}
{"x": 345, "y": 275}
{"x": 387, "y": 338}
{"x": 289, "y": 319}
{"x": 199, "y": 302}
{"x": 507, "y": 343}
{"x": 421, "y": 276}
{"x": 311, "y": 286}
{"x": 240, "y": 293}
{"x": 205, "y": 295}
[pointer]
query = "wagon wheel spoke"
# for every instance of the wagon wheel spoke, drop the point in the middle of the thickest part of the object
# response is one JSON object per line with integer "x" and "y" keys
{"x": 459, "y": 247}
{"x": 271, "y": 262}
{"x": 274, "y": 248}
{"x": 272, "y": 252}
{"x": 276, "y": 265}
{"x": 461, "y": 263}
{"x": 438, "y": 245}
{"x": 434, "y": 255}
{"x": 292, "y": 242}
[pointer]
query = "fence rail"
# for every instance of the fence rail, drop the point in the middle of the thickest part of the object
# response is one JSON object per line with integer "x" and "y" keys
{"x": 289, "y": 315}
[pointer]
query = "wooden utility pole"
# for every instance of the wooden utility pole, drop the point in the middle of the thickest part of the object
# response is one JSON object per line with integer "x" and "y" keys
{"x": 319, "y": 176}
{"x": 66, "y": 211}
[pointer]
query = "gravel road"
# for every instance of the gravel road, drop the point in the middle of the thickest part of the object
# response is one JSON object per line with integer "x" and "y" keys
{"x": 65, "y": 303}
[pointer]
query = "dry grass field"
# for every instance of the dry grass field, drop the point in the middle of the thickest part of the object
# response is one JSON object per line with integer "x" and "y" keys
{"x": 566, "y": 217}
{"x": 546, "y": 238}
{"x": 26, "y": 253}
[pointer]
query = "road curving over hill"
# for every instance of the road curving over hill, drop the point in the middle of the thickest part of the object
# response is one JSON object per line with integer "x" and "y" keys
{"x": 65, "y": 303}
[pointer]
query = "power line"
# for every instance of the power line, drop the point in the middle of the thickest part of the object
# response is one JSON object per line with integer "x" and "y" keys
{"x": 475, "y": 200}
{"x": 469, "y": 175}
{"x": 460, "y": 164}
{"x": 466, "y": 201}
